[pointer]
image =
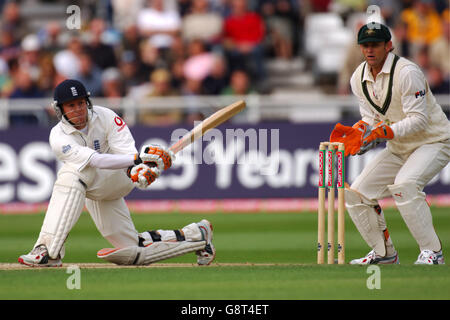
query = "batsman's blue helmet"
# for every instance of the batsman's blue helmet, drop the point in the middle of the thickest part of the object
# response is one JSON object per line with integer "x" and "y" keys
{"x": 69, "y": 90}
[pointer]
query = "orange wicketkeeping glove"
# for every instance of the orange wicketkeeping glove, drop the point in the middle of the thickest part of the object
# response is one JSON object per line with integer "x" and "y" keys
{"x": 381, "y": 132}
{"x": 351, "y": 137}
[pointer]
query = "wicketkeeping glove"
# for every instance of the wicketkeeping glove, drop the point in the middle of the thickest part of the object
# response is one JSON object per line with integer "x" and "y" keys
{"x": 351, "y": 137}
{"x": 381, "y": 132}
{"x": 156, "y": 156}
{"x": 142, "y": 175}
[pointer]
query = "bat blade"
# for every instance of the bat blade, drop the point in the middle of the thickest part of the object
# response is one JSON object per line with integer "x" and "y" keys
{"x": 212, "y": 121}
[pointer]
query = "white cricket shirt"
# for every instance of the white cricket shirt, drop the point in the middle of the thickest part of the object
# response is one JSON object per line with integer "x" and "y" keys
{"x": 107, "y": 133}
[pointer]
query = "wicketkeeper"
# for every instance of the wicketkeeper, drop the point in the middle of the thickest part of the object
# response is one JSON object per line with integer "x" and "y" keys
{"x": 100, "y": 167}
{"x": 396, "y": 106}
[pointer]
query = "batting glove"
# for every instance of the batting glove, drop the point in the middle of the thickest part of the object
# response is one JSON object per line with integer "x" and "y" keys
{"x": 157, "y": 156}
{"x": 142, "y": 175}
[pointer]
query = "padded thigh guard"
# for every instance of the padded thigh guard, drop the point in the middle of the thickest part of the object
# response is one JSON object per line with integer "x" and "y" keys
{"x": 366, "y": 220}
{"x": 64, "y": 209}
{"x": 157, "y": 251}
{"x": 416, "y": 213}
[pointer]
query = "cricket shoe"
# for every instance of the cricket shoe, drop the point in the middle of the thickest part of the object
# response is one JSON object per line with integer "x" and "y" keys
{"x": 430, "y": 257}
{"x": 207, "y": 255}
{"x": 372, "y": 258}
{"x": 38, "y": 257}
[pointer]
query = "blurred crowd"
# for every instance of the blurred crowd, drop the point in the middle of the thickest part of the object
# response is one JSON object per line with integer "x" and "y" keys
{"x": 152, "y": 48}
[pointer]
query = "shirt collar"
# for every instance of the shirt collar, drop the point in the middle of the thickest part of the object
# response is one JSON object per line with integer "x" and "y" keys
{"x": 386, "y": 68}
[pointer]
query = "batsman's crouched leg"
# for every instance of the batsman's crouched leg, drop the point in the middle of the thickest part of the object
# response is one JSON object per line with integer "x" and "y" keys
{"x": 157, "y": 245}
{"x": 65, "y": 207}
{"x": 155, "y": 252}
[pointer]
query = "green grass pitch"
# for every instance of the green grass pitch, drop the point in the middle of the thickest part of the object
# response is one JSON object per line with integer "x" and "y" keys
{"x": 259, "y": 256}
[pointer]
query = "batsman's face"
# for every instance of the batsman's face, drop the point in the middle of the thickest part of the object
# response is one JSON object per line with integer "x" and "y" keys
{"x": 76, "y": 112}
{"x": 375, "y": 53}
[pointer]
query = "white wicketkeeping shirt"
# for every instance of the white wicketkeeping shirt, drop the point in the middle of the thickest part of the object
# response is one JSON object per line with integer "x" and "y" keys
{"x": 403, "y": 99}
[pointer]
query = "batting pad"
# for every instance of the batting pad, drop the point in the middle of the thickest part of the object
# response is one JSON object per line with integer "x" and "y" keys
{"x": 366, "y": 221}
{"x": 64, "y": 209}
{"x": 156, "y": 251}
{"x": 416, "y": 213}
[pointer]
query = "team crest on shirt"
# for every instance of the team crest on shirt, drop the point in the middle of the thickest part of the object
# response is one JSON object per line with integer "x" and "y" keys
{"x": 66, "y": 148}
{"x": 96, "y": 145}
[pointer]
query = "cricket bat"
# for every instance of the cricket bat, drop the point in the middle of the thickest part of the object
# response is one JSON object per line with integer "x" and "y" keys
{"x": 212, "y": 121}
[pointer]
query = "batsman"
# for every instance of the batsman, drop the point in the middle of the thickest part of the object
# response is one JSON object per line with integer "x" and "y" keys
{"x": 100, "y": 166}
{"x": 397, "y": 106}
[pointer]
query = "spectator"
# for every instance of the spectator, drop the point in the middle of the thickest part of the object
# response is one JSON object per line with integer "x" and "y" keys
{"x": 129, "y": 70}
{"x": 200, "y": 16}
{"x": 177, "y": 50}
{"x": 11, "y": 18}
{"x": 90, "y": 75}
{"x": 199, "y": 63}
{"x": 9, "y": 47}
{"x": 279, "y": 17}
{"x": 217, "y": 80}
{"x": 51, "y": 35}
{"x": 102, "y": 54}
{"x": 112, "y": 86}
{"x": 192, "y": 87}
{"x": 29, "y": 57}
{"x": 67, "y": 61}
{"x": 125, "y": 12}
{"x": 423, "y": 23}
{"x": 131, "y": 40}
{"x": 435, "y": 76}
{"x": 314, "y": 6}
{"x": 244, "y": 35}
{"x": 5, "y": 79}
{"x": 403, "y": 46}
{"x": 7, "y": 84}
{"x": 47, "y": 75}
{"x": 184, "y": 7}
{"x": 150, "y": 60}
{"x": 439, "y": 84}
{"x": 239, "y": 84}
{"x": 353, "y": 57}
{"x": 158, "y": 23}
{"x": 440, "y": 49}
{"x": 24, "y": 86}
{"x": 345, "y": 8}
{"x": 160, "y": 80}
{"x": 177, "y": 71}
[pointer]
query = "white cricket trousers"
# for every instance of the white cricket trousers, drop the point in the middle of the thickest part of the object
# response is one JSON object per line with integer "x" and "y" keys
{"x": 106, "y": 204}
{"x": 404, "y": 178}
{"x": 386, "y": 168}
